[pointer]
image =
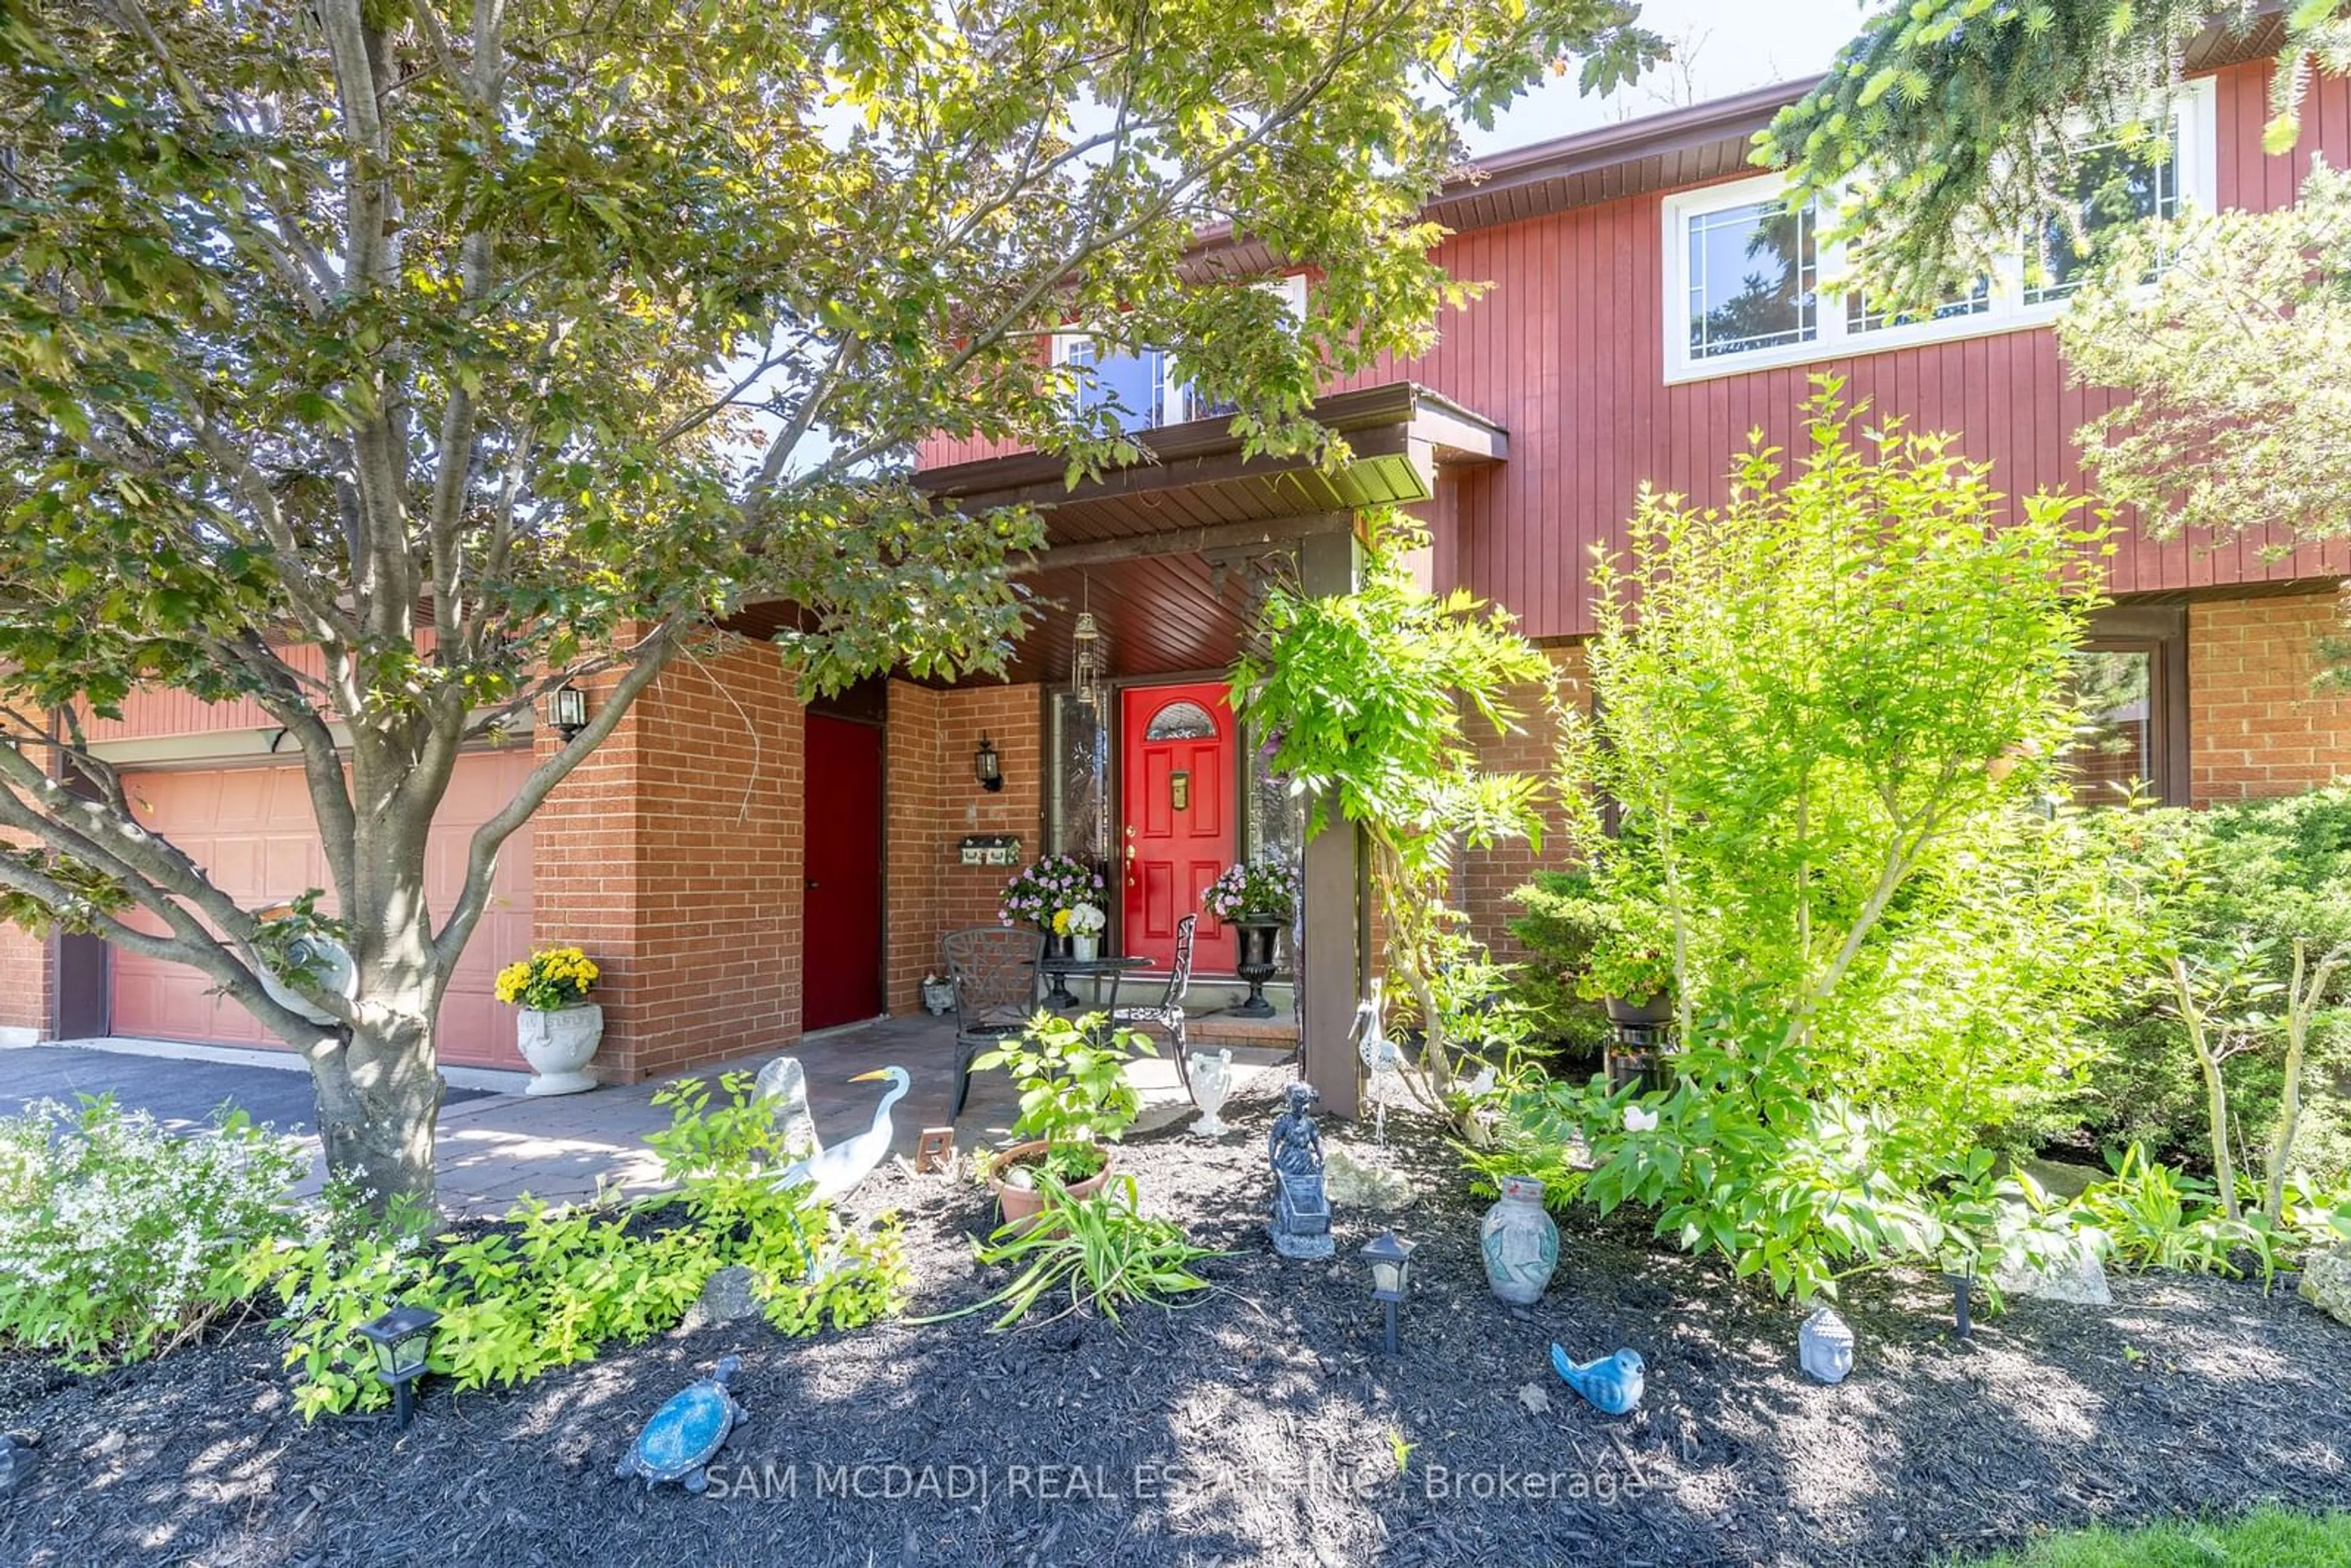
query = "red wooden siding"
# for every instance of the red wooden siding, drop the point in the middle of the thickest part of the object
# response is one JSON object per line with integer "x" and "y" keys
{"x": 1565, "y": 352}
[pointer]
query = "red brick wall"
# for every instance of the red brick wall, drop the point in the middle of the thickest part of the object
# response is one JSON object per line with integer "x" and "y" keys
{"x": 1487, "y": 877}
{"x": 674, "y": 857}
{"x": 2256, "y": 726}
{"x": 934, "y": 802}
{"x": 914, "y": 829}
{"x": 24, "y": 981}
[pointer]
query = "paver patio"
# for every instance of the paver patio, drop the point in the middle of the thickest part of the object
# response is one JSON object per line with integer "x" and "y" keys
{"x": 495, "y": 1148}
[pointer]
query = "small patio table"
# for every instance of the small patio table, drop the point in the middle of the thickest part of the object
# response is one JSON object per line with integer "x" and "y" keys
{"x": 1114, "y": 970}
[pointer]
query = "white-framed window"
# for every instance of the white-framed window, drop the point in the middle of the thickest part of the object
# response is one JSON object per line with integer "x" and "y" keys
{"x": 1146, "y": 385}
{"x": 1749, "y": 286}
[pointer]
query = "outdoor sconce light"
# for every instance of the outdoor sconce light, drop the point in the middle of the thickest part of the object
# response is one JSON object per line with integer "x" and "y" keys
{"x": 1389, "y": 1257}
{"x": 400, "y": 1339}
{"x": 986, "y": 768}
{"x": 567, "y": 710}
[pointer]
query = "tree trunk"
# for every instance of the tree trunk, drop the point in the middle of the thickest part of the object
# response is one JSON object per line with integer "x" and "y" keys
{"x": 379, "y": 1102}
{"x": 2216, "y": 1088}
{"x": 380, "y": 1096}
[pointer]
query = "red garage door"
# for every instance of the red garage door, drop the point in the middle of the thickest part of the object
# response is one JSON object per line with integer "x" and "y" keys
{"x": 252, "y": 830}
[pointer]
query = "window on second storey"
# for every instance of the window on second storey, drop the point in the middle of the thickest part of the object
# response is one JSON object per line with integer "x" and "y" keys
{"x": 2113, "y": 186}
{"x": 1753, "y": 278}
{"x": 1749, "y": 286}
{"x": 1144, "y": 387}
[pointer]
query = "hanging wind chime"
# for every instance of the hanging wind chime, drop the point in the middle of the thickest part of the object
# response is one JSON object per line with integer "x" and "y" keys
{"x": 1086, "y": 662}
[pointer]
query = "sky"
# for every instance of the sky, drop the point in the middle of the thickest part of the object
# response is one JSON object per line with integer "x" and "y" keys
{"x": 1724, "y": 46}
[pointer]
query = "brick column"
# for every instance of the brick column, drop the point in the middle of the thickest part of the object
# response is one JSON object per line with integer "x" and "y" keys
{"x": 673, "y": 856}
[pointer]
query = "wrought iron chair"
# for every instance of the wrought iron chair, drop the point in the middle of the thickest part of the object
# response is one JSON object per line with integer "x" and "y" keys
{"x": 1166, "y": 1014}
{"x": 994, "y": 968}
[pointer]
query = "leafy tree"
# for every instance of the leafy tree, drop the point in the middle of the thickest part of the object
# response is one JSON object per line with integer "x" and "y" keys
{"x": 1824, "y": 710}
{"x": 2237, "y": 363}
{"x": 389, "y": 364}
{"x": 1365, "y": 699}
{"x": 1943, "y": 127}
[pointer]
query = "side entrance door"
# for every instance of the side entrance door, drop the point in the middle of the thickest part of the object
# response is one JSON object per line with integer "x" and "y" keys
{"x": 1178, "y": 765}
{"x": 841, "y": 910}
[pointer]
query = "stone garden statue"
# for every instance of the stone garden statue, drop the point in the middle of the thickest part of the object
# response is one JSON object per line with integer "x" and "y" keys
{"x": 1301, "y": 1226}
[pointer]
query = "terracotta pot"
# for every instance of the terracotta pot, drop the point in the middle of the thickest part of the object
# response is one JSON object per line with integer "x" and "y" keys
{"x": 1020, "y": 1205}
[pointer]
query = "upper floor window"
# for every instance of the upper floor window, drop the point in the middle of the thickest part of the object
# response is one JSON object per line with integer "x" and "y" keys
{"x": 1749, "y": 286}
{"x": 1755, "y": 277}
{"x": 2113, "y": 186}
{"x": 1145, "y": 388}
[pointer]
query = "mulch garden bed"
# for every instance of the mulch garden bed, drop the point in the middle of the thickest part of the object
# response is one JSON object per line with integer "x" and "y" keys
{"x": 1261, "y": 1427}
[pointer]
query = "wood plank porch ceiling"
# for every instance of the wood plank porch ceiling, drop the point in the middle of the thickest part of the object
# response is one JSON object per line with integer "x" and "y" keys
{"x": 1143, "y": 542}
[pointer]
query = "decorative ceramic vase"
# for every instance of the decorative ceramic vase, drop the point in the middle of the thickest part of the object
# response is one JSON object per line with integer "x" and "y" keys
{"x": 1256, "y": 964}
{"x": 1824, "y": 1346}
{"x": 558, "y": 1045}
{"x": 1520, "y": 1243}
{"x": 1212, "y": 1083}
{"x": 1084, "y": 945}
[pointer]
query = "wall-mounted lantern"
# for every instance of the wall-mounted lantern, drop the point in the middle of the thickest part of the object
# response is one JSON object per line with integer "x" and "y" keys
{"x": 986, "y": 768}
{"x": 567, "y": 710}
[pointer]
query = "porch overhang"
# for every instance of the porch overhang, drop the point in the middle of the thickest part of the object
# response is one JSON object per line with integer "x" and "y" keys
{"x": 1148, "y": 547}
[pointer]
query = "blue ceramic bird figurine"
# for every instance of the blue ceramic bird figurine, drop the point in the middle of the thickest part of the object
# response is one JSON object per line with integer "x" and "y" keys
{"x": 1611, "y": 1384}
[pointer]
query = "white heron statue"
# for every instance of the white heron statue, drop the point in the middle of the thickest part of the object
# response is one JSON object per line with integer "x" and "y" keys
{"x": 835, "y": 1172}
{"x": 832, "y": 1173}
{"x": 1381, "y": 1056}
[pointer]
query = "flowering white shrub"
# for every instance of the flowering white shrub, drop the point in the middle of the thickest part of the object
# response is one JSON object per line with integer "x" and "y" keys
{"x": 111, "y": 1227}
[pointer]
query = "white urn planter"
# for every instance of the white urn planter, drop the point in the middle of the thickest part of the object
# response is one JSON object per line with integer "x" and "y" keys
{"x": 1212, "y": 1083}
{"x": 558, "y": 1045}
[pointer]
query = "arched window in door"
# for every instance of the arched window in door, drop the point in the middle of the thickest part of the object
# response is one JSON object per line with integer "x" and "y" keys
{"x": 1181, "y": 721}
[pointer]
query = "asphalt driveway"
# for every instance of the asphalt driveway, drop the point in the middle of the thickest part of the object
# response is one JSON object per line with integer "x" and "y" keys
{"x": 175, "y": 1092}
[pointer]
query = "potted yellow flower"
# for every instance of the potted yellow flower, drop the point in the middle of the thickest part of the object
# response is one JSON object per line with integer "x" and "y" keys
{"x": 560, "y": 1028}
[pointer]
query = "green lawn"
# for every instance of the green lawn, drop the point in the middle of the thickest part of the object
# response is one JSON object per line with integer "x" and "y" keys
{"x": 2265, "y": 1538}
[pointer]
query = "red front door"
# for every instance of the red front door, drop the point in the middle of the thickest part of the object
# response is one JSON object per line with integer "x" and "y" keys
{"x": 840, "y": 913}
{"x": 1178, "y": 767}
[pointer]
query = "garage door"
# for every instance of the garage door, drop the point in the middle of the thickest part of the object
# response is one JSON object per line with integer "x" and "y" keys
{"x": 252, "y": 830}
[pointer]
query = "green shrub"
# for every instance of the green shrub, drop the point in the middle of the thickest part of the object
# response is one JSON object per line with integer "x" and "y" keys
{"x": 2152, "y": 1216}
{"x": 2264, "y": 872}
{"x": 1104, "y": 1250}
{"x": 1071, "y": 1075}
{"x": 1562, "y": 922}
{"x": 545, "y": 1287}
{"x": 1828, "y": 711}
{"x": 112, "y": 1228}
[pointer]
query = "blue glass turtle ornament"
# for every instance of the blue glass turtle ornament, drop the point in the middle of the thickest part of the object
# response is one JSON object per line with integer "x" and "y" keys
{"x": 686, "y": 1433}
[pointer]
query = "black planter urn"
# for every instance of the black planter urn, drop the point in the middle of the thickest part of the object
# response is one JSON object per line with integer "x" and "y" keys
{"x": 1256, "y": 964}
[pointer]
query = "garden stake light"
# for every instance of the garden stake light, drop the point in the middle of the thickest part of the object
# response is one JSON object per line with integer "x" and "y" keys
{"x": 1389, "y": 1257}
{"x": 400, "y": 1339}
